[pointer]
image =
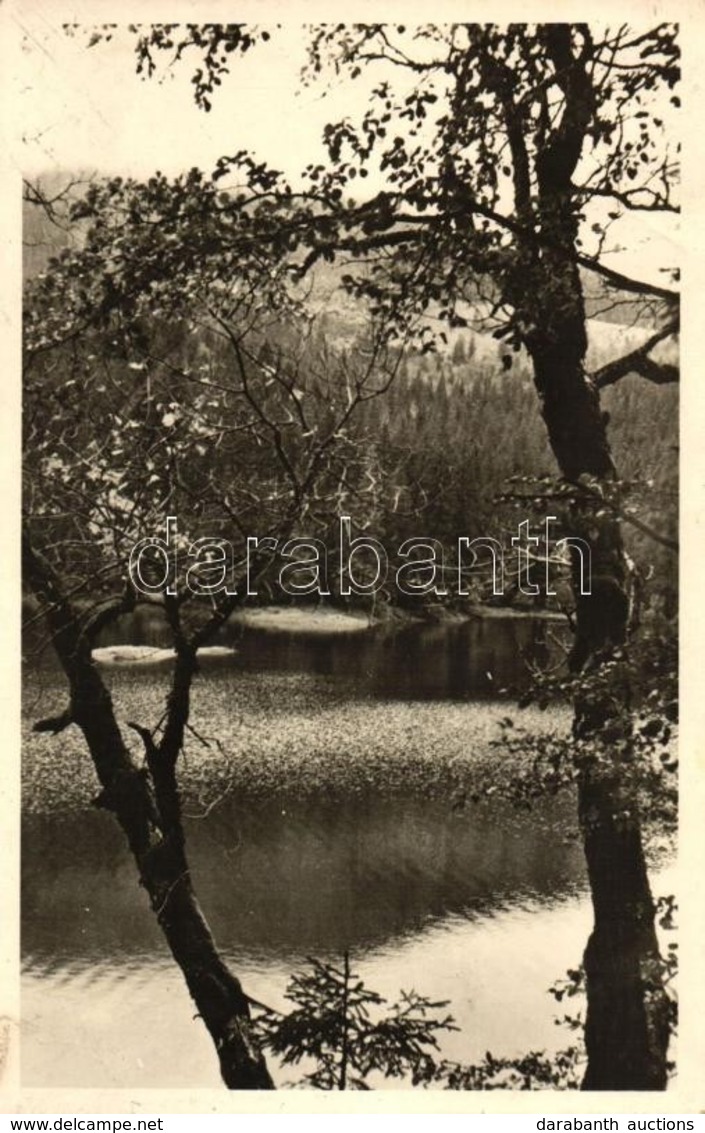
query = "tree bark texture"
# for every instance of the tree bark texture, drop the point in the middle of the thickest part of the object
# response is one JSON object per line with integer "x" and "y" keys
{"x": 626, "y": 1031}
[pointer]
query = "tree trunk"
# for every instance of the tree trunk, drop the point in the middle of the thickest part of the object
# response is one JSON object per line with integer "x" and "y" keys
{"x": 156, "y": 842}
{"x": 626, "y": 1032}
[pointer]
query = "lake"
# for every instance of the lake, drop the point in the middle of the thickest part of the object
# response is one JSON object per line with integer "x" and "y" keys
{"x": 327, "y": 799}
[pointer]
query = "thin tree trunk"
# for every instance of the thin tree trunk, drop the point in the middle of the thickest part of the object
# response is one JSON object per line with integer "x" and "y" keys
{"x": 154, "y": 838}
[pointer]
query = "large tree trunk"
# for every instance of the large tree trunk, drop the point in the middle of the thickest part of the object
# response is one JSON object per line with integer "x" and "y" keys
{"x": 626, "y": 1031}
{"x": 154, "y": 837}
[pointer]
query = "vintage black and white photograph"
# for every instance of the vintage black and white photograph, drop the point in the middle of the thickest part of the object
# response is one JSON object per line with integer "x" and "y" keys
{"x": 350, "y": 552}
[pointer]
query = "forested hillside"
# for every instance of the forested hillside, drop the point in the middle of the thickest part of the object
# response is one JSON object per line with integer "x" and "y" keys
{"x": 457, "y": 425}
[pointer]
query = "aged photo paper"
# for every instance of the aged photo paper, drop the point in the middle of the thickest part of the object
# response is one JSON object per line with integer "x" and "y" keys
{"x": 352, "y": 431}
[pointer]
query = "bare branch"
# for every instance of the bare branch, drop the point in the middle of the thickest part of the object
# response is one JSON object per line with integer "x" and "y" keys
{"x": 55, "y": 724}
{"x": 638, "y": 362}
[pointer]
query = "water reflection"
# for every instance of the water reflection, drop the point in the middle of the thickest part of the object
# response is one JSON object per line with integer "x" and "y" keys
{"x": 423, "y": 895}
{"x": 472, "y": 658}
{"x": 484, "y": 908}
{"x": 286, "y": 881}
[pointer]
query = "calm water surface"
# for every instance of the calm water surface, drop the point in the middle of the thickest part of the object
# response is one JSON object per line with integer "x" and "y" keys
{"x": 482, "y": 906}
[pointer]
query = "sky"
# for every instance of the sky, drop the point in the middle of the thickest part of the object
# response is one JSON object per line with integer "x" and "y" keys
{"x": 84, "y": 109}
